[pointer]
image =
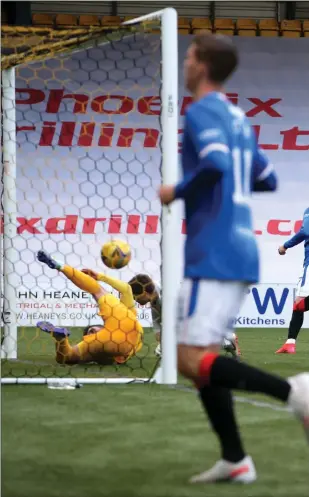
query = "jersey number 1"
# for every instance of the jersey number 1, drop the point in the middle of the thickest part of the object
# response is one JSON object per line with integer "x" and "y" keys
{"x": 242, "y": 163}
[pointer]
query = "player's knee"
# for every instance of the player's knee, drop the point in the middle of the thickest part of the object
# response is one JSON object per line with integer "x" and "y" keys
{"x": 183, "y": 368}
{"x": 181, "y": 363}
{"x": 187, "y": 361}
{"x": 192, "y": 359}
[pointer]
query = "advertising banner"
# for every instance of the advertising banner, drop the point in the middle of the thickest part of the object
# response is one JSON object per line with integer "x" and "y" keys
{"x": 89, "y": 158}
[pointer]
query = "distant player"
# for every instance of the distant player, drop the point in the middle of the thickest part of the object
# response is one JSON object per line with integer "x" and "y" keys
{"x": 301, "y": 303}
{"x": 120, "y": 336}
{"x": 222, "y": 165}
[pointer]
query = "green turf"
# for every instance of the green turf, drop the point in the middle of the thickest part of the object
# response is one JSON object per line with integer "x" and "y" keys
{"x": 146, "y": 440}
{"x": 36, "y": 358}
{"x": 36, "y": 355}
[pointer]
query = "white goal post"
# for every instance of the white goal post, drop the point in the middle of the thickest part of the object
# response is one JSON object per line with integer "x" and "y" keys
{"x": 170, "y": 216}
{"x": 8, "y": 290}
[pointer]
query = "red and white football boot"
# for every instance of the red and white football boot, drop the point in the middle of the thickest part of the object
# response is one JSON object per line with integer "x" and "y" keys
{"x": 287, "y": 348}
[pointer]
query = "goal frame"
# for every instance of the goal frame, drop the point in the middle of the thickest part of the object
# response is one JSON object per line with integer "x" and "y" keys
{"x": 167, "y": 372}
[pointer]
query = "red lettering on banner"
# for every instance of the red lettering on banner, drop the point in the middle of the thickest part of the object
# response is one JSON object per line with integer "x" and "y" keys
{"x": 66, "y": 134}
{"x": 34, "y": 96}
{"x": 273, "y": 227}
{"x": 290, "y": 138}
{"x": 185, "y": 102}
{"x": 266, "y": 107}
{"x": 106, "y": 135}
{"x": 90, "y": 223}
{"x": 281, "y": 227}
{"x": 151, "y": 225}
{"x": 126, "y": 104}
{"x": 47, "y": 134}
{"x": 28, "y": 225}
{"x": 265, "y": 146}
{"x": 233, "y": 97}
{"x": 150, "y": 105}
{"x": 56, "y": 97}
{"x": 145, "y": 104}
{"x": 122, "y": 104}
{"x": 69, "y": 228}
{"x": 126, "y": 136}
{"x": 114, "y": 226}
{"x": 25, "y": 128}
{"x": 86, "y": 135}
{"x": 298, "y": 225}
{"x": 133, "y": 224}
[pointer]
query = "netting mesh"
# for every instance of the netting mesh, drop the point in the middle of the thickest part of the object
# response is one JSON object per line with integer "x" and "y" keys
{"x": 88, "y": 167}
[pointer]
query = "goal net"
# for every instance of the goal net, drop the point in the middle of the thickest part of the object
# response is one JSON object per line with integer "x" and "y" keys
{"x": 88, "y": 139}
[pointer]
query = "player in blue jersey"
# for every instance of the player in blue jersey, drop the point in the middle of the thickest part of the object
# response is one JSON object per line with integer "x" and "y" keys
{"x": 301, "y": 303}
{"x": 222, "y": 165}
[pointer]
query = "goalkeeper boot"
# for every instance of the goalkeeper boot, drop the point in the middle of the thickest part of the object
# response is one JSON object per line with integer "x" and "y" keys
{"x": 287, "y": 348}
{"x": 299, "y": 399}
{"x": 55, "y": 331}
{"x": 47, "y": 259}
{"x": 225, "y": 471}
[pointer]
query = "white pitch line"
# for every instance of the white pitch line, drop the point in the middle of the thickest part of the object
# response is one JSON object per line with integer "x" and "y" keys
{"x": 258, "y": 403}
{"x": 246, "y": 400}
{"x": 241, "y": 400}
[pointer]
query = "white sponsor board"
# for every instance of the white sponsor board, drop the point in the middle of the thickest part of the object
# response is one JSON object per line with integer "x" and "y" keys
{"x": 265, "y": 306}
{"x": 89, "y": 167}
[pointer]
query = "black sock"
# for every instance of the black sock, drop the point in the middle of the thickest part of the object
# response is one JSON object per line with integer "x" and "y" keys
{"x": 227, "y": 372}
{"x": 296, "y": 324}
{"x": 218, "y": 404}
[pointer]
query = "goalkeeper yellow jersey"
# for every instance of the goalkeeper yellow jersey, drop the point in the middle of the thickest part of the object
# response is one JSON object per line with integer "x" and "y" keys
{"x": 120, "y": 316}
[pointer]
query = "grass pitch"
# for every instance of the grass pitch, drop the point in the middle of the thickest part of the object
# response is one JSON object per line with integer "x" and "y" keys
{"x": 36, "y": 358}
{"x": 145, "y": 440}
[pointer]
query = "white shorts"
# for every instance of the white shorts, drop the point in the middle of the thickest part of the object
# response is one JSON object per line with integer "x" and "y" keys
{"x": 303, "y": 284}
{"x": 207, "y": 310}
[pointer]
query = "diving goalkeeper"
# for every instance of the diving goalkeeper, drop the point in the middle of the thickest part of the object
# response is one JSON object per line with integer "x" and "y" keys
{"x": 121, "y": 335}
